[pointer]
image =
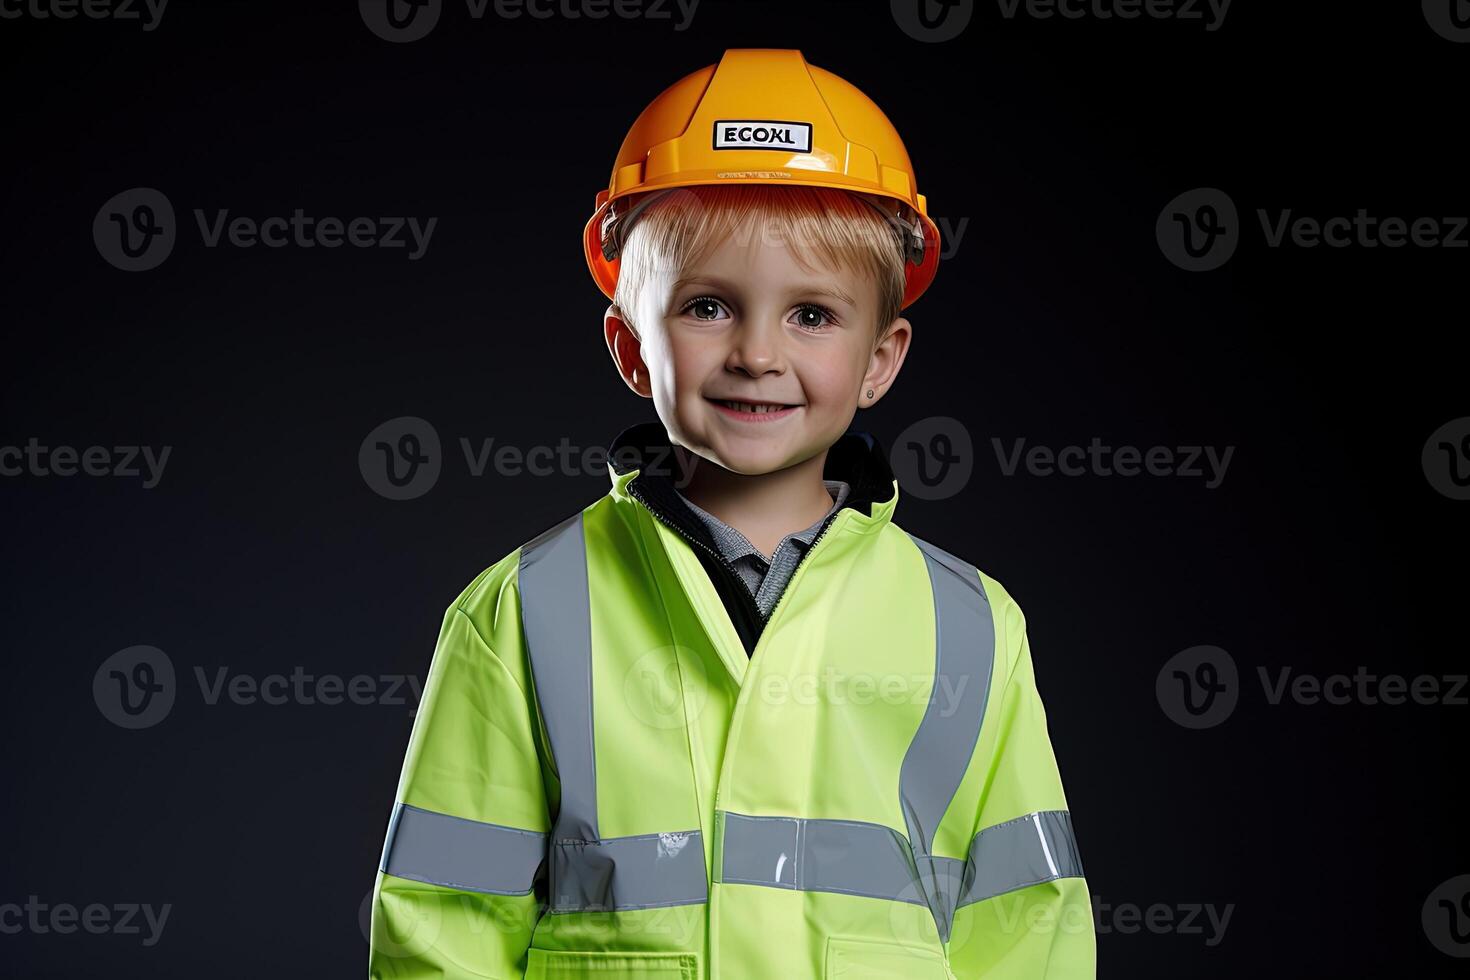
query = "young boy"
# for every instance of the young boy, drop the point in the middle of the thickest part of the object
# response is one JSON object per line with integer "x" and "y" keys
{"x": 729, "y": 720}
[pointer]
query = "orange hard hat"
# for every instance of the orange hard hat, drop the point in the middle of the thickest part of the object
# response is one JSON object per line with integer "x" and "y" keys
{"x": 763, "y": 116}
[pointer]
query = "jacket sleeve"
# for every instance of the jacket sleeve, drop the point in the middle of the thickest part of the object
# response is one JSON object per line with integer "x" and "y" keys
{"x": 460, "y": 886}
{"x": 1024, "y": 911}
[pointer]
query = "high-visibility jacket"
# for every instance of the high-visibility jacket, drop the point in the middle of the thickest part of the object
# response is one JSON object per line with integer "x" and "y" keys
{"x": 619, "y": 770}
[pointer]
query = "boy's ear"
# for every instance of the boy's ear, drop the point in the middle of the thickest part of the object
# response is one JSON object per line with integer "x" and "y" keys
{"x": 887, "y": 359}
{"x": 626, "y": 350}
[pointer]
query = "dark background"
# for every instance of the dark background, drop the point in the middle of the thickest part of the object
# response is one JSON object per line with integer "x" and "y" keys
{"x": 1057, "y": 319}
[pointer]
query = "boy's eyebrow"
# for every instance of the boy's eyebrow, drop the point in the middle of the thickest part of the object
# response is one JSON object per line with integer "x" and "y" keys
{"x": 830, "y": 291}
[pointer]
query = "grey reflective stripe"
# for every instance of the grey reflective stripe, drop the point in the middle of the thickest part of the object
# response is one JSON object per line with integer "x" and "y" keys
{"x": 651, "y": 870}
{"x": 457, "y": 853}
{"x": 556, "y": 618}
{"x": 807, "y": 854}
{"x": 1025, "y": 851}
{"x": 939, "y": 755}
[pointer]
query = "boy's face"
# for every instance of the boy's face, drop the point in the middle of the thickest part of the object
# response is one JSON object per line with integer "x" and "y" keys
{"x": 750, "y": 324}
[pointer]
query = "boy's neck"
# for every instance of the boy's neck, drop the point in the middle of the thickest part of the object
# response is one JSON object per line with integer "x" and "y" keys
{"x": 764, "y": 508}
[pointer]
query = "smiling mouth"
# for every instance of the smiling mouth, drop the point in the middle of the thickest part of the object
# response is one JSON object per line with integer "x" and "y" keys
{"x": 751, "y": 406}
{"x": 762, "y": 411}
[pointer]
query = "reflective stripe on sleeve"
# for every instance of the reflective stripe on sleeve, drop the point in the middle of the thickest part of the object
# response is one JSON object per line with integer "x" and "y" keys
{"x": 454, "y": 852}
{"x": 1025, "y": 851}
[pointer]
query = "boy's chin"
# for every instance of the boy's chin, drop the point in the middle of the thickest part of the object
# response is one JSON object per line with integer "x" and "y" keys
{"x": 758, "y": 456}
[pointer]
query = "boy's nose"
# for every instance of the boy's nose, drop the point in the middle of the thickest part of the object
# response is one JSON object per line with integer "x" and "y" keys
{"x": 756, "y": 349}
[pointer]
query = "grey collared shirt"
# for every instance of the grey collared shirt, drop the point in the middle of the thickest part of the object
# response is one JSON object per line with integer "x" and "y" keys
{"x": 766, "y": 579}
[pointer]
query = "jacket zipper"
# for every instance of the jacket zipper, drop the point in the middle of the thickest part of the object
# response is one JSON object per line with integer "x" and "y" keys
{"x": 791, "y": 579}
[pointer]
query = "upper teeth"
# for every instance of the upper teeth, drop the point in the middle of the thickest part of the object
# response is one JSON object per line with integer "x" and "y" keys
{"x": 749, "y": 407}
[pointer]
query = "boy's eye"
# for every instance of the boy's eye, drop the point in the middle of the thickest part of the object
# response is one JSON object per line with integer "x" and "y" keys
{"x": 812, "y": 317}
{"x": 703, "y": 308}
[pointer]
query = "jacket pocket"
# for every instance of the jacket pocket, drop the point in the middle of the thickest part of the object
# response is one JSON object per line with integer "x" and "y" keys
{"x": 850, "y": 958}
{"x": 551, "y": 964}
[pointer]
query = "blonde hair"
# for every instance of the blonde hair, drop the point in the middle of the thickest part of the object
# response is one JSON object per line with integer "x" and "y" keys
{"x": 677, "y": 230}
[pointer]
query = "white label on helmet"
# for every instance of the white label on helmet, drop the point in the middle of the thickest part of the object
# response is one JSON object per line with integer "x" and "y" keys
{"x": 762, "y": 134}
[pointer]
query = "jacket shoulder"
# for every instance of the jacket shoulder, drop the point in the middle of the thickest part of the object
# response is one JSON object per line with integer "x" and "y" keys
{"x": 495, "y": 592}
{"x": 1010, "y": 621}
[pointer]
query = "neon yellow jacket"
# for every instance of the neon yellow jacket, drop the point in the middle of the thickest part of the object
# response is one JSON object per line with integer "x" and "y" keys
{"x": 601, "y": 781}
